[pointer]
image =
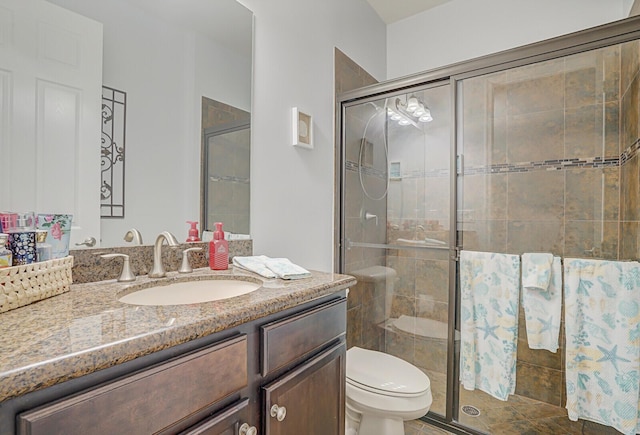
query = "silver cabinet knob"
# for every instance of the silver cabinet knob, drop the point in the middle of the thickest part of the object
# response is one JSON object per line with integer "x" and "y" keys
{"x": 279, "y": 412}
{"x": 245, "y": 429}
{"x": 89, "y": 241}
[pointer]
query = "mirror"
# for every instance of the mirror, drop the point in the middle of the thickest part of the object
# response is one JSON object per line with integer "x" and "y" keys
{"x": 167, "y": 57}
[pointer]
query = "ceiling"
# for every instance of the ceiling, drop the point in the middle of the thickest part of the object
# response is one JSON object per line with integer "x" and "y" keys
{"x": 394, "y": 10}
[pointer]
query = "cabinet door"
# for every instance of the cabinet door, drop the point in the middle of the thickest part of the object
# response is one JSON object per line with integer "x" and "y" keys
{"x": 309, "y": 399}
{"x": 226, "y": 422}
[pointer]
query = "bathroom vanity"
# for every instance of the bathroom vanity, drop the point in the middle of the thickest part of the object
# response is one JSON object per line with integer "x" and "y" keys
{"x": 271, "y": 361}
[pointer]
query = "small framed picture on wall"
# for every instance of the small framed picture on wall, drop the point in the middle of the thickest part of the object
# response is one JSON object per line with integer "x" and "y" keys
{"x": 302, "y": 129}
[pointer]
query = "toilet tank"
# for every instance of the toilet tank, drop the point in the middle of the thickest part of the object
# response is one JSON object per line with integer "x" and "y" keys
{"x": 377, "y": 281}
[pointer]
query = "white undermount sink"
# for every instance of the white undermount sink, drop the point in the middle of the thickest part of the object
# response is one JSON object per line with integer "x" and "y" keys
{"x": 190, "y": 292}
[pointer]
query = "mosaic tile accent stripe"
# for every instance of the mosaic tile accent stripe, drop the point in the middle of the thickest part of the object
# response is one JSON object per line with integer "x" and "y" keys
{"x": 545, "y": 165}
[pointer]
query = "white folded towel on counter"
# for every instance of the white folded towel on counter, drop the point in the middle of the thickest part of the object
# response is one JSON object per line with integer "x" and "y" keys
{"x": 271, "y": 267}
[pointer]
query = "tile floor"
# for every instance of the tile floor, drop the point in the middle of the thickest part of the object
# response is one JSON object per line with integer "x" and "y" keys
{"x": 518, "y": 416}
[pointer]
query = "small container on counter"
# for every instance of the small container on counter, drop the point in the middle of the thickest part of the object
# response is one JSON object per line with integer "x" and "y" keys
{"x": 22, "y": 239}
{"x": 5, "y": 253}
{"x": 42, "y": 247}
{"x": 218, "y": 250}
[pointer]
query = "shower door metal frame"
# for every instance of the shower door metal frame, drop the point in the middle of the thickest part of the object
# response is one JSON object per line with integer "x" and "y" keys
{"x": 618, "y": 32}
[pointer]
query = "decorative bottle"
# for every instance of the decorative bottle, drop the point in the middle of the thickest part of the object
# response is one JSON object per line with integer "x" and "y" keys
{"x": 43, "y": 248}
{"x": 22, "y": 239}
{"x": 5, "y": 253}
{"x": 218, "y": 250}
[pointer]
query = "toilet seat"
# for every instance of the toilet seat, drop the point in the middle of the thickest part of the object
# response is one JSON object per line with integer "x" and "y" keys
{"x": 385, "y": 374}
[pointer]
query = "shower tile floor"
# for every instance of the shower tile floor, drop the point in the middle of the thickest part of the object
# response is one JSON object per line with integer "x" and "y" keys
{"x": 518, "y": 416}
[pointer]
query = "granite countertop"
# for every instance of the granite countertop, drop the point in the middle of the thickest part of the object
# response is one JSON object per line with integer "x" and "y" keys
{"x": 88, "y": 329}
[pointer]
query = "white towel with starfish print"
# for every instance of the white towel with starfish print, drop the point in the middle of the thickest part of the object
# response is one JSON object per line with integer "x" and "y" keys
{"x": 602, "y": 321}
{"x": 489, "y": 291}
{"x": 542, "y": 308}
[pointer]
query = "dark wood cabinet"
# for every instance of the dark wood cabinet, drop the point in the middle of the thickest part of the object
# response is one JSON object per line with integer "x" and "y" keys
{"x": 310, "y": 398}
{"x": 223, "y": 384}
{"x": 151, "y": 401}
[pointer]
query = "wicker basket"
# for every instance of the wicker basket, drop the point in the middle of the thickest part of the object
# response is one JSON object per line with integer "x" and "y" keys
{"x": 23, "y": 285}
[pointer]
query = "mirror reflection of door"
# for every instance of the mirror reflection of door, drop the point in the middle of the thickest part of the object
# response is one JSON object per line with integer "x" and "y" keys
{"x": 226, "y": 172}
{"x": 50, "y": 100}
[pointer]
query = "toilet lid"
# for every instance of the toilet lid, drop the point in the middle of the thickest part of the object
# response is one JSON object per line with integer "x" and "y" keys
{"x": 385, "y": 374}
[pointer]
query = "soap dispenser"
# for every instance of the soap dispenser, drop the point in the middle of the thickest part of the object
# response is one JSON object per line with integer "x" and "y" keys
{"x": 218, "y": 250}
{"x": 193, "y": 232}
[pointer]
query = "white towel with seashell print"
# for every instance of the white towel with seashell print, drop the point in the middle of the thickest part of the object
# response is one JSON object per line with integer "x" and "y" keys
{"x": 489, "y": 290}
{"x": 602, "y": 321}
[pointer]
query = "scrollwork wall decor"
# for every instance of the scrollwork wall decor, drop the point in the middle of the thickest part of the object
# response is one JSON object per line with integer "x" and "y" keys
{"x": 114, "y": 110}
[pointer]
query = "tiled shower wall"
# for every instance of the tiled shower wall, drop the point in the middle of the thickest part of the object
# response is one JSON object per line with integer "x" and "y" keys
{"x": 550, "y": 165}
{"x": 366, "y": 300}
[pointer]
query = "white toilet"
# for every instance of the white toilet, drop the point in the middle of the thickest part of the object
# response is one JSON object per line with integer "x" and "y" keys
{"x": 382, "y": 392}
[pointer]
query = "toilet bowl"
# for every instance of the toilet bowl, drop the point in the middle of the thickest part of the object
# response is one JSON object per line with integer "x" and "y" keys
{"x": 382, "y": 392}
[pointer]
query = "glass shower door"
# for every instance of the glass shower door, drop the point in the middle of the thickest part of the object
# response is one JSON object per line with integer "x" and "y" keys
{"x": 545, "y": 149}
{"x": 395, "y": 238}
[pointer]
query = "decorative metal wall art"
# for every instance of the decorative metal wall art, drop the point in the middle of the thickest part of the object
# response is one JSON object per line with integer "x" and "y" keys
{"x": 114, "y": 111}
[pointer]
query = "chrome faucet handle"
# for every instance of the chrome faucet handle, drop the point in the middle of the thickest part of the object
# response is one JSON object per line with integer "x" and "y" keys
{"x": 157, "y": 271}
{"x": 125, "y": 275}
{"x": 186, "y": 266}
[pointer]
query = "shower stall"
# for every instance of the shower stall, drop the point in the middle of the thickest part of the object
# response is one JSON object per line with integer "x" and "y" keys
{"x": 530, "y": 150}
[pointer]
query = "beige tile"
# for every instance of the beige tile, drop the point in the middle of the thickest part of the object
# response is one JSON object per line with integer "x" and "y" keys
{"x": 539, "y": 383}
{"x": 432, "y": 280}
{"x": 488, "y": 235}
{"x": 535, "y": 236}
{"x": 591, "y": 239}
{"x": 629, "y": 241}
{"x": 592, "y": 194}
{"x": 525, "y": 133}
{"x": 539, "y": 357}
{"x": 537, "y": 195}
{"x": 630, "y": 63}
{"x": 539, "y": 93}
{"x": 583, "y": 132}
{"x": 629, "y": 190}
{"x": 486, "y": 195}
{"x": 580, "y": 84}
{"x": 629, "y": 115}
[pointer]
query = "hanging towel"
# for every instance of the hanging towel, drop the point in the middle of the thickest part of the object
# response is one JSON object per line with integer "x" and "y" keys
{"x": 602, "y": 320}
{"x": 542, "y": 305}
{"x": 489, "y": 285}
{"x": 271, "y": 267}
{"x": 536, "y": 271}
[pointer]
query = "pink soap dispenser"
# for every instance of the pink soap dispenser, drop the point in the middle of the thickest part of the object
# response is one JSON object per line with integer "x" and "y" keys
{"x": 193, "y": 232}
{"x": 218, "y": 250}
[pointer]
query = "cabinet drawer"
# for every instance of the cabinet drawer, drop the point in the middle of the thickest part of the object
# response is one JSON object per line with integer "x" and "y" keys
{"x": 150, "y": 400}
{"x": 291, "y": 339}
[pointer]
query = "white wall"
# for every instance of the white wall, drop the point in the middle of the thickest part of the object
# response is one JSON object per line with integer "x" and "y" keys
{"x": 291, "y": 188}
{"x": 164, "y": 70}
{"x": 465, "y": 29}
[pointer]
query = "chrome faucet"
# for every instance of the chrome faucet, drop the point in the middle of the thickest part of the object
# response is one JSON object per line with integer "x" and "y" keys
{"x": 133, "y": 235}
{"x": 157, "y": 271}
